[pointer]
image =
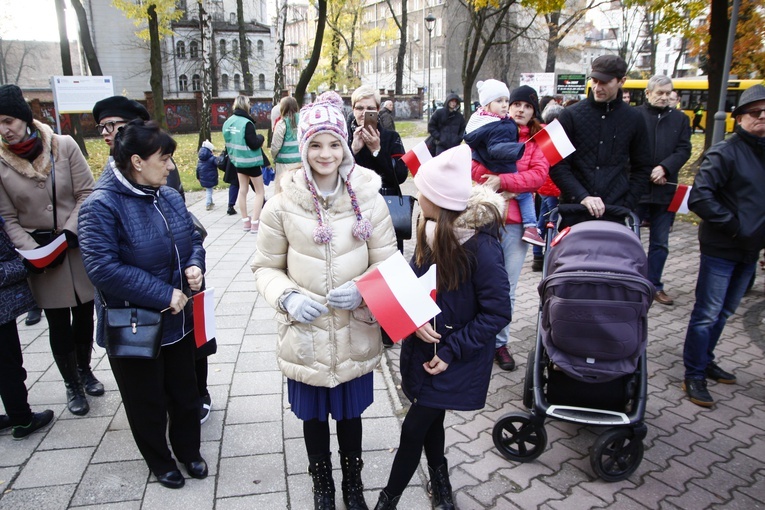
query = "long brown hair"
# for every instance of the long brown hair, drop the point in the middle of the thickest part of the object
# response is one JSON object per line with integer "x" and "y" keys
{"x": 534, "y": 126}
{"x": 451, "y": 259}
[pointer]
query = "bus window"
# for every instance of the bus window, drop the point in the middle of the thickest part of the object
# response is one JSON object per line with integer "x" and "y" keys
{"x": 731, "y": 100}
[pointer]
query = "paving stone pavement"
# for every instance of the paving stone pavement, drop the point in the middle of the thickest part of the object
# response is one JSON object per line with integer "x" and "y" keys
{"x": 694, "y": 458}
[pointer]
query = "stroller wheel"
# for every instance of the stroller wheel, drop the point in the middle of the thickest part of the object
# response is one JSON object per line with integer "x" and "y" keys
{"x": 528, "y": 382}
{"x": 616, "y": 454}
{"x": 518, "y": 438}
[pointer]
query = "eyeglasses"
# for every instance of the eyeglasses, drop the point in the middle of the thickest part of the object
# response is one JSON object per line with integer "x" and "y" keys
{"x": 755, "y": 114}
{"x": 108, "y": 127}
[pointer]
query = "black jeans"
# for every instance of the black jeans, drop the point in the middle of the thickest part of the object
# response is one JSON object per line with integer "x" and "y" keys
{"x": 152, "y": 389}
{"x": 68, "y": 327}
{"x": 12, "y": 376}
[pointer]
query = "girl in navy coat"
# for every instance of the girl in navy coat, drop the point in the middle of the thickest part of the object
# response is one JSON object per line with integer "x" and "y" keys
{"x": 447, "y": 363}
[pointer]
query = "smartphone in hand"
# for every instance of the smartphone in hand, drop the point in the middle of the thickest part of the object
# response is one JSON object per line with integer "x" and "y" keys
{"x": 370, "y": 119}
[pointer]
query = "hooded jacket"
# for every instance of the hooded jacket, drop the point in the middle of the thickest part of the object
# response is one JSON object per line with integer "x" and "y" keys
{"x": 207, "y": 168}
{"x": 447, "y": 126}
{"x": 727, "y": 195}
{"x": 341, "y": 345}
{"x": 611, "y": 160}
{"x": 470, "y": 318}
{"x": 494, "y": 141}
{"x": 128, "y": 252}
{"x": 669, "y": 144}
{"x": 26, "y": 205}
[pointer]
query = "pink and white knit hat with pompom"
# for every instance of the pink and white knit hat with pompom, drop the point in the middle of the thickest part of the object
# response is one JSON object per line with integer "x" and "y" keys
{"x": 326, "y": 116}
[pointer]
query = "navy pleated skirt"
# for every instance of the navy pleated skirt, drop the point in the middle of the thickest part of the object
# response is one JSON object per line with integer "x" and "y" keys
{"x": 345, "y": 401}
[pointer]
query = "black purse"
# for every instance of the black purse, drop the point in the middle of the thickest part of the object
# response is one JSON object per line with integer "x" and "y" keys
{"x": 400, "y": 207}
{"x": 133, "y": 332}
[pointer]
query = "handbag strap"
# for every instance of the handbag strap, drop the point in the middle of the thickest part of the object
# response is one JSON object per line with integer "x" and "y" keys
{"x": 53, "y": 185}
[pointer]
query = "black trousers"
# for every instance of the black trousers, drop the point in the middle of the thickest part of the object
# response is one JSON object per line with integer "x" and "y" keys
{"x": 423, "y": 428}
{"x": 152, "y": 390}
{"x": 69, "y": 327}
{"x": 12, "y": 376}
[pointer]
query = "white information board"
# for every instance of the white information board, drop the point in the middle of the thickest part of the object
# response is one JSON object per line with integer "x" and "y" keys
{"x": 78, "y": 94}
{"x": 543, "y": 83}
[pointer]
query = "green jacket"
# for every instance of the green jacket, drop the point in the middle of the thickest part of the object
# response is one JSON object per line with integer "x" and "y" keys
{"x": 240, "y": 155}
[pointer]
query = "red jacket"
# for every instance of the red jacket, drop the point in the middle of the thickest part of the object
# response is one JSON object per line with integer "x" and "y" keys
{"x": 533, "y": 169}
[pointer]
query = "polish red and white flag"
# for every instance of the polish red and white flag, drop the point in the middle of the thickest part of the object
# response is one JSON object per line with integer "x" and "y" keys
{"x": 554, "y": 142}
{"x": 679, "y": 203}
{"x": 399, "y": 301}
{"x": 42, "y": 257}
{"x": 428, "y": 280}
{"x": 204, "y": 317}
{"x": 417, "y": 157}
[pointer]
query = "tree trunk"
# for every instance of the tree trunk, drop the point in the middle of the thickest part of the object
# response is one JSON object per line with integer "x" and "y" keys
{"x": 718, "y": 35}
{"x": 334, "y": 59}
{"x": 281, "y": 27}
{"x": 205, "y": 31}
{"x": 307, "y": 74}
{"x": 553, "y": 41}
{"x": 243, "y": 46}
{"x": 401, "y": 58}
{"x": 155, "y": 58}
{"x": 66, "y": 65}
{"x": 87, "y": 42}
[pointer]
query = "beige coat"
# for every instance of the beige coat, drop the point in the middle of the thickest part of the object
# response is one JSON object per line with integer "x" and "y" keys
{"x": 26, "y": 205}
{"x": 342, "y": 345}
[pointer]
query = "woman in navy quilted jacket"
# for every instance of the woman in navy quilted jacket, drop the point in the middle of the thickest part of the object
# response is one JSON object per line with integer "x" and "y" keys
{"x": 140, "y": 248}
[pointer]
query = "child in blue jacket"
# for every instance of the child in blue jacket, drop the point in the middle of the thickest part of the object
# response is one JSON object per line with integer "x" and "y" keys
{"x": 493, "y": 136}
{"x": 207, "y": 171}
{"x": 447, "y": 363}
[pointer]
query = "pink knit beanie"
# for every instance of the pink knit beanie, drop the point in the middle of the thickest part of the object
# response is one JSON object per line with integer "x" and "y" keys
{"x": 445, "y": 179}
{"x": 326, "y": 116}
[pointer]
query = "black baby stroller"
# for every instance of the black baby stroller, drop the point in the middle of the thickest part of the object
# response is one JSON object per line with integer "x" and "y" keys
{"x": 588, "y": 365}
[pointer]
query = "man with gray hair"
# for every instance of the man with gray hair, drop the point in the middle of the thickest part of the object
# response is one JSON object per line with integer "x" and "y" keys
{"x": 669, "y": 146}
{"x": 385, "y": 117}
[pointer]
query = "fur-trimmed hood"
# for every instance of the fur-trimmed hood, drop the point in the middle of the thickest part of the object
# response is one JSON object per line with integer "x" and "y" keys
{"x": 364, "y": 182}
{"x": 478, "y": 213}
{"x": 39, "y": 169}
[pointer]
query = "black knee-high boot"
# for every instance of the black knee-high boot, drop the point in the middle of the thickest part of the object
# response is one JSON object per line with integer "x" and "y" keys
{"x": 441, "y": 487}
{"x": 353, "y": 488}
{"x": 75, "y": 394}
{"x": 320, "y": 468}
{"x": 92, "y": 385}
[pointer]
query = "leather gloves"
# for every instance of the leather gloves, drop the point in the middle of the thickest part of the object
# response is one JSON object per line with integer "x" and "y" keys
{"x": 72, "y": 241}
{"x": 302, "y": 308}
{"x": 345, "y": 297}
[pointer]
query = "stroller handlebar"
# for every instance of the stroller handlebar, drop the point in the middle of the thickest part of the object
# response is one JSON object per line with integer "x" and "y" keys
{"x": 611, "y": 210}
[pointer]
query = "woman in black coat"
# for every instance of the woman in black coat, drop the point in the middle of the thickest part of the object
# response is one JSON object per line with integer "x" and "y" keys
{"x": 141, "y": 249}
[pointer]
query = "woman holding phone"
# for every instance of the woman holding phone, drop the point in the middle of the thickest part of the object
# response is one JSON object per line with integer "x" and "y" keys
{"x": 375, "y": 147}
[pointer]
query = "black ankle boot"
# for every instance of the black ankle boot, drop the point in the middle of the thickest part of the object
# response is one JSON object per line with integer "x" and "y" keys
{"x": 75, "y": 393}
{"x": 441, "y": 488}
{"x": 92, "y": 385}
{"x": 385, "y": 502}
{"x": 320, "y": 469}
{"x": 353, "y": 488}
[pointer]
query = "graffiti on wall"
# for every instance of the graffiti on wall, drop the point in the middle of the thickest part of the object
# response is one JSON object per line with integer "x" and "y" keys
{"x": 179, "y": 117}
{"x": 260, "y": 111}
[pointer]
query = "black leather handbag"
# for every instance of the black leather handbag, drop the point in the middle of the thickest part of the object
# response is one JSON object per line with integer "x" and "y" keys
{"x": 400, "y": 207}
{"x": 133, "y": 332}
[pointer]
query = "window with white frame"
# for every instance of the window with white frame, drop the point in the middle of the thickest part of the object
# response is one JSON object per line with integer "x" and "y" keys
{"x": 194, "y": 49}
{"x": 262, "y": 81}
{"x": 260, "y": 48}
{"x": 235, "y": 48}
{"x": 438, "y": 58}
{"x": 180, "y": 49}
{"x": 222, "y": 45}
{"x": 224, "y": 81}
{"x": 237, "y": 82}
{"x": 196, "y": 83}
{"x": 183, "y": 83}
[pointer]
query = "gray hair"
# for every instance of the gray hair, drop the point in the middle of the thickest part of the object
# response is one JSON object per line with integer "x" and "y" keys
{"x": 551, "y": 112}
{"x": 658, "y": 80}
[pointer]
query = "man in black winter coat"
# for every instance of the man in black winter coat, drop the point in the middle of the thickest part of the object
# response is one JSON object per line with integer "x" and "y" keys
{"x": 611, "y": 165}
{"x": 727, "y": 196}
{"x": 669, "y": 145}
{"x": 447, "y": 124}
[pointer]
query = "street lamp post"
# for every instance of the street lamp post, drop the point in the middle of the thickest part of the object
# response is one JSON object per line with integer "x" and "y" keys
{"x": 429, "y": 22}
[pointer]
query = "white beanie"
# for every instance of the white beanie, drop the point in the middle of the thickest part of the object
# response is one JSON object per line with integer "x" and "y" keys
{"x": 491, "y": 90}
{"x": 445, "y": 180}
{"x": 207, "y": 144}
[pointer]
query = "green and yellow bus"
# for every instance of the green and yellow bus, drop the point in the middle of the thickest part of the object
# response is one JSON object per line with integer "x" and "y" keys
{"x": 693, "y": 94}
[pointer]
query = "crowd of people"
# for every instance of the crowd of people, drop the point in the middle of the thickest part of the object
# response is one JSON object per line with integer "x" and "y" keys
{"x": 131, "y": 243}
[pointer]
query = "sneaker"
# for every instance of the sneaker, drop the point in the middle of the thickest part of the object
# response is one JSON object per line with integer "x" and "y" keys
{"x": 231, "y": 211}
{"x": 209, "y": 207}
{"x": 663, "y": 298}
{"x": 697, "y": 392}
{"x": 716, "y": 373}
{"x": 5, "y": 422}
{"x": 531, "y": 236}
{"x": 204, "y": 410}
{"x": 39, "y": 420}
{"x": 538, "y": 264}
{"x": 504, "y": 359}
{"x": 246, "y": 224}
{"x": 254, "y": 227}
